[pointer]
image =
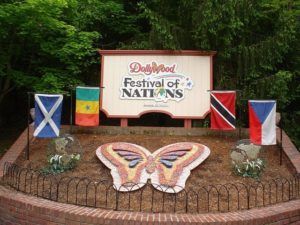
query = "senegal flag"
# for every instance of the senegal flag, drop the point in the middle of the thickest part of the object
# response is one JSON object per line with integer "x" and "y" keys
{"x": 87, "y": 106}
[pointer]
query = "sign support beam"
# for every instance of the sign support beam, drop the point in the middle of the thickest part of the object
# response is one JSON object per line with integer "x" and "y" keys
{"x": 124, "y": 122}
{"x": 187, "y": 123}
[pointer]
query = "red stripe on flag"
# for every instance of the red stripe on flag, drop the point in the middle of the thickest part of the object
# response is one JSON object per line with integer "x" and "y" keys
{"x": 217, "y": 122}
{"x": 227, "y": 99}
{"x": 255, "y": 127}
{"x": 83, "y": 119}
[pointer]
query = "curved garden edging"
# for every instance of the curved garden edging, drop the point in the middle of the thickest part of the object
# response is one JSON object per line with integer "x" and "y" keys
{"x": 18, "y": 208}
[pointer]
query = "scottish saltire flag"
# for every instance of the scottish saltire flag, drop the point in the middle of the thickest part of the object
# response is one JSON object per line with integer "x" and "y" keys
{"x": 47, "y": 115}
{"x": 87, "y": 106}
{"x": 222, "y": 107}
{"x": 262, "y": 121}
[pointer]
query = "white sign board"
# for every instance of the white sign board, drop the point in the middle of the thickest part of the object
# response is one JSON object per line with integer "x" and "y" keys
{"x": 138, "y": 82}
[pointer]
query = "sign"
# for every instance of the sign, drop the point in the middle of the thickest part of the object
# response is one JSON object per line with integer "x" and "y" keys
{"x": 138, "y": 82}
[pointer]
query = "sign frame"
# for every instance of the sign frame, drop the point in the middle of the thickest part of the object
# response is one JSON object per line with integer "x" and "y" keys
{"x": 104, "y": 53}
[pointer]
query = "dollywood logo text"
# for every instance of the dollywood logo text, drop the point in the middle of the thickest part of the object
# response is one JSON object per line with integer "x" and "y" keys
{"x": 148, "y": 69}
{"x": 154, "y": 81}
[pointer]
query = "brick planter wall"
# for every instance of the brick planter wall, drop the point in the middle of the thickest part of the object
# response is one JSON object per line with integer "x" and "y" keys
{"x": 17, "y": 208}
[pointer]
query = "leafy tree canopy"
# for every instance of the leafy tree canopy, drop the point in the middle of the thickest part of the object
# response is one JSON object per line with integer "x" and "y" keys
{"x": 257, "y": 44}
{"x": 51, "y": 45}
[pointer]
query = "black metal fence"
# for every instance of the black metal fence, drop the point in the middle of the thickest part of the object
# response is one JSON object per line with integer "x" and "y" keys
{"x": 101, "y": 194}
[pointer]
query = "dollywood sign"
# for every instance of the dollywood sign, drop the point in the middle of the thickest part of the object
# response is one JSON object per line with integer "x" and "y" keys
{"x": 154, "y": 81}
{"x": 171, "y": 82}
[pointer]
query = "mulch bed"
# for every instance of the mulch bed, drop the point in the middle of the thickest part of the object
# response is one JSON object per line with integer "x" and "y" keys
{"x": 216, "y": 169}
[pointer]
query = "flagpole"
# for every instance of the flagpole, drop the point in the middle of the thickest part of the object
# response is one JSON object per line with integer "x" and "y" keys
{"x": 280, "y": 126}
{"x": 100, "y": 93}
{"x": 240, "y": 116}
{"x": 28, "y": 124}
{"x": 71, "y": 112}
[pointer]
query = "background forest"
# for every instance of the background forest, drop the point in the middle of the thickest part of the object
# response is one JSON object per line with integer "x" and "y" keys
{"x": 51, "y": 45}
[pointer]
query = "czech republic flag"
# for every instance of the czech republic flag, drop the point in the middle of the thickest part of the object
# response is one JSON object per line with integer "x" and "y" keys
{"x": 262, "y": 121}
{"x": 87, "y": 106}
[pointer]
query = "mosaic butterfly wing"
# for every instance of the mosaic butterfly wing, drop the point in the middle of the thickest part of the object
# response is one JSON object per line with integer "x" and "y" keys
{"x": 127, "y": 163}
{"x": 174, "y": 164}
{"x": 168, "y": 167}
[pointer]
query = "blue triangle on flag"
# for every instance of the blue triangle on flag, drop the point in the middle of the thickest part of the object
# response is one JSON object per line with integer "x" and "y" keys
{"x": 262, "y": 109}
{"x": 48, "y": 102}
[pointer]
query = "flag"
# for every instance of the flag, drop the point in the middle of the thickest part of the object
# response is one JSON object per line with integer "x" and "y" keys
{"x": 87, "y": 106}
{"x": 222, "y": 107}
{"x": 262, "y": 121}
{"x": 47, "y": 115}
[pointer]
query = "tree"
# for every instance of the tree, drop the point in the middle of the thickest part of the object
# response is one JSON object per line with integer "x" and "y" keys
{"x": 256, "y": 42}
{"x": 51, "y": 45}
{"x": 39, "y": 49}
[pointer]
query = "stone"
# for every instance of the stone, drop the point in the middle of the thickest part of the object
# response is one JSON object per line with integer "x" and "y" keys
{"x": 64, "y": 153}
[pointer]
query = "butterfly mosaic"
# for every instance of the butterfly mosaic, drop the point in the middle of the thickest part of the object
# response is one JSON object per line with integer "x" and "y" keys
{"x": 168, "y": 168}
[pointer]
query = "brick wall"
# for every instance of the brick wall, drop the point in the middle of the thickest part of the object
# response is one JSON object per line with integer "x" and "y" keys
{"x": 290, "y": 152}
{"x": 17, "y": 208}
{"x": 16, "y": 149}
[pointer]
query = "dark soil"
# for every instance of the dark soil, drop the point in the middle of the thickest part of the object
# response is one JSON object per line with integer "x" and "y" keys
{"x": 216, "y": 169}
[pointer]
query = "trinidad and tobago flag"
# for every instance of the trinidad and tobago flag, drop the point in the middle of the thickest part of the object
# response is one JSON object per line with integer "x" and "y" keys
{"x": 262, "y": 121}
{"x": 222, "y": 107}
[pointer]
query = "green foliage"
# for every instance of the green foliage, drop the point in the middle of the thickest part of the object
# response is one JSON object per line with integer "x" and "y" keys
{"x": 51, "y": 45}
{"x": 256, "y": 42}
{"x": 61, "y": 163}
{"x": 40, "y": 50}
{"x": 291, "y": 123}
{"x": 250, "y": 168}
{"x": 54, "y": 81}
{"x": 276, "y": 87}
{"x": 252, "y": 38}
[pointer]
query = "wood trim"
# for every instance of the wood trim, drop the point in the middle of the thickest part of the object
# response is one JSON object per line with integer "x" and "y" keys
{"x": 211, "y": 78}
{"x": 101, "y": 84}
{"x": 154, "y": 111}
{"x": 156, "y": 52}
{"x": 211, "y": 73}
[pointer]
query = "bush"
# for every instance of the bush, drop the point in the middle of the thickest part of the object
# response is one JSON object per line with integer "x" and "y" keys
{"x": 250, "y": 168}
{"x": 61, "y": 163}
